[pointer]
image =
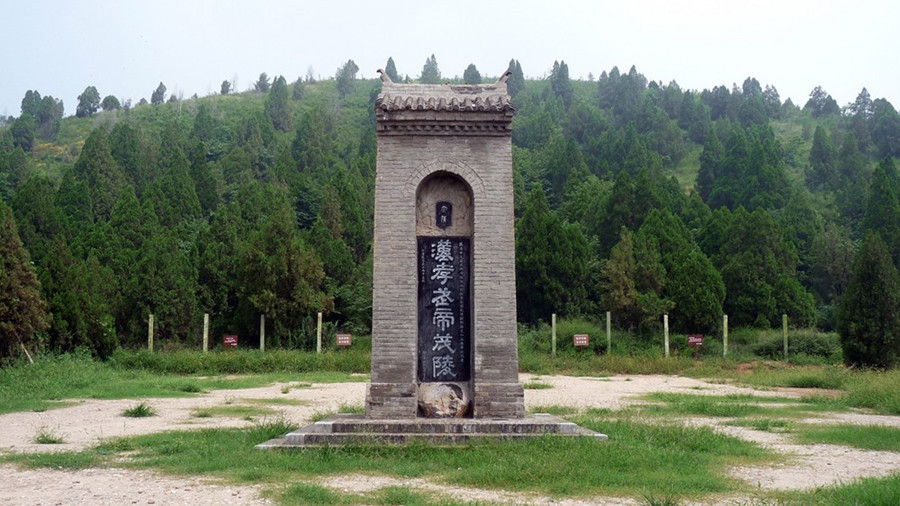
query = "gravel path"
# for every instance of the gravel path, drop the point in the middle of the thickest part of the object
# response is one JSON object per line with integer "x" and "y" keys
{"x": 86, "y": 422}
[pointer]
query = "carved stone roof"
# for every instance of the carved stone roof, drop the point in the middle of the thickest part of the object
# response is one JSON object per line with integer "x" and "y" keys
{"x": 444, "y": 98}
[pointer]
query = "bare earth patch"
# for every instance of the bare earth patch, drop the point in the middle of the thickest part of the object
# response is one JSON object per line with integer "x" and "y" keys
{"x": 88, "y": 422}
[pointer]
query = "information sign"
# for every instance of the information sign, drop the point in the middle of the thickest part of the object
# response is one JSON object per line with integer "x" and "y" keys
{"x": 581, "y": 339}
{"x": 230, "y": 341}
{"x": 343, "y": 339}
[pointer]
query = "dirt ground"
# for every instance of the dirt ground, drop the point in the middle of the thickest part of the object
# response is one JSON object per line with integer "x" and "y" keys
{"x": 86, "y": 422}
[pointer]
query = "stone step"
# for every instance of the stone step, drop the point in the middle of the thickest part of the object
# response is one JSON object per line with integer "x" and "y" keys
{"x": 355, "y": 429}
{"x": 539, "y": 423}
{"x": 303, "y": 440}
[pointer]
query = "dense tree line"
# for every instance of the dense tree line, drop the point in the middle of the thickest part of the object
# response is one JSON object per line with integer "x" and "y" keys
{"x": 632, "y": 196}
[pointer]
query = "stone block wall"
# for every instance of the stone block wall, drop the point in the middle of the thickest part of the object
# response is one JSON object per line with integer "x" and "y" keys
{"x": 406, "y": 156}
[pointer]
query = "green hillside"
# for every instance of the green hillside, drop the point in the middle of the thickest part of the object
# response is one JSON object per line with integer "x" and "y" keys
{"x": 632, "y": 196}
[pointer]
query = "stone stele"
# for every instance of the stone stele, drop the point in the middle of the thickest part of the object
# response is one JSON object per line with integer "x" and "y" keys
{"x": 444, "y": 343}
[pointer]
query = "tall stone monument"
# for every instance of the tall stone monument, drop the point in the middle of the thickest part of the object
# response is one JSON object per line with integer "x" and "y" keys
{"x": 444, "y": 347}
{"x": 444, "y": 302}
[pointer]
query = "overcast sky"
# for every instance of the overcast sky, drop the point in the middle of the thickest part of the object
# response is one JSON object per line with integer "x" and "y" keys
{"x": 125, "y": 48}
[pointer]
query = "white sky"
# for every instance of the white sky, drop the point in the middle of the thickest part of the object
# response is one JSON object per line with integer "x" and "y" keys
{"x": 125, "y": 47}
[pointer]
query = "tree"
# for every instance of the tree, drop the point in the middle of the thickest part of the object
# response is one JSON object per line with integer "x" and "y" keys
{"x": 551, "y": 262}
{"x": 13, "y": 171}
{"x": 31, "y": 103}
{"x": 22, "y": 310}
{"x": 262, "y": 84}
{"x": 560, "y": 83}
{"x": 692, "y": 283}
{"x": 885, "y": 128}
{"x": 431, "y": 74}
{"x": 471, "y": 75}
{"x": 88, "y": 102}
{"x": 165, "y": 286}
{"x": 22, "y": 132}
{"x": 758, "y": 266}
{"x": 391, "y": 70}
{"x": 711, "y": 159}
{"x": 281, "y": 276}
{"x": 516, "y": 81}
{"x": 298, "y": 89}
{"x": 346, "y": 77}
{"x": 772, "y": 102}
{"x": 861, "y": 112}
{"x": 45, "y": 113}
{"x": 822, "y": 174}
{"x": 110, "y": 103}
{"x": 276, "y": 105}
{"x": 225, "y": 88}
{"x": 97, "y": 168}
{"x": 869, "y": 314}
{"x": 159, "y": 95}
{"x": 820, "y": 103}
{"x": 632, "y": 282}
{"x": 883, "y": 206}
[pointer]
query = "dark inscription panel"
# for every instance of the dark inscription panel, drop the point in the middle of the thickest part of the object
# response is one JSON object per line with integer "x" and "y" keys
{"x": 444, "y": 333}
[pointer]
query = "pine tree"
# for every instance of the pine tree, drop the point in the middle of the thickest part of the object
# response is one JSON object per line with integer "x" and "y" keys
{"x": 822, "y": 172}
{"x": 159, "y": 95}
{"x": 551, "y": 262}
{"x": 516, "y": 81}
{"x": 22, "y": 310}
{"x": 883, "y": 209}
{"x": 391, "y": 70}
{"x": 97, "y": 168}
{"x": 345, "y": 77}
{"x": 869, "y": 314}
{"x": 471, "y": 75}
{"x": 431, "y": 74}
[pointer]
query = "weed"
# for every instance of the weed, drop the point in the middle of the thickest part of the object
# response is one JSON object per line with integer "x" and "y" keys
{"x": 46, "y": 436}
{"x": 190, "y": 388}
{"x": 764, "y": 424}
{"x": 139, "y": 411}
{"x": 535, "y": 385}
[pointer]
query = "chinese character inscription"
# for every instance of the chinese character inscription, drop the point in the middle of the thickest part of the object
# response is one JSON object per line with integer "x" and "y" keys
{"x": 444, "y": 309}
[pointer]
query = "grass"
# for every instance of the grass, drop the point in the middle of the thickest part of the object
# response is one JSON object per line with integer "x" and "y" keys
{"x": 866, "y": 437}
{"x": 536, "y": 385}
{"x": 764, "y": 424}
{"x": 640, "y": 458}
{"x": 733, "y": 406}
{"x": 236, "y": 411}
{"x": 139, "y": 411}
{"x": 47, "y": 436}
{"x": 41, "y": 386}
{"x": 863, "y": 492}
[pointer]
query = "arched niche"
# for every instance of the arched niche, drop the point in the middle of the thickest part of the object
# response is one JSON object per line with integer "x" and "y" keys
{"x": 444, "y": 230}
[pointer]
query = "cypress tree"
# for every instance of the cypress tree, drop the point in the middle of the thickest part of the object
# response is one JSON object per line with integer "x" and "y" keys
{"x": 22, "y": 310}
{"x": 869, "y": 314}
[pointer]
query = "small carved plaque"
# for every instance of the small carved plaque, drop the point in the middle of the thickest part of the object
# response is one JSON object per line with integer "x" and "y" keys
{"x": 443, "y": 215}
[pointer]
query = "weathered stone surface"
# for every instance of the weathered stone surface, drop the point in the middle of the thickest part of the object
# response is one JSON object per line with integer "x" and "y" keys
{"x": 464, "y": 139}
{"x": 354, "y": 429}
{"x": 443, "y": 400}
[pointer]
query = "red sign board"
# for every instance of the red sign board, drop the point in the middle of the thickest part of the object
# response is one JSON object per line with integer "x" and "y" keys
{"x": 695, "y": 340}
{"x": 343, "y": 339}
{"x": 581, "y": 339}
{"x": 229, "y": 341}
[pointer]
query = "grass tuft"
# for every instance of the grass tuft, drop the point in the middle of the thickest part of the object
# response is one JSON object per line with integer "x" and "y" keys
{"x": 139, "y": 411}
{"x": 47, "y": 436}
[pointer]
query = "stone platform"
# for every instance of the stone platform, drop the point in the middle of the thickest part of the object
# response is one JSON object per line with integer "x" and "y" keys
{"x": 346, "y": 429}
